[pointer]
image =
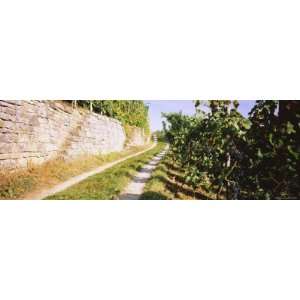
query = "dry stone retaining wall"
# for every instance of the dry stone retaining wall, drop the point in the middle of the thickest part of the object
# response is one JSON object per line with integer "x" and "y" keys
{"x": 137, "y": 137}
{"x": 36, "y": 131}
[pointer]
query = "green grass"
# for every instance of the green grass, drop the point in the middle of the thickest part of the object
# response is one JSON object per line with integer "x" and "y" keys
{"x": 156, "y": 187}
{"x": 110, "y": 183}
{"x": 167, "y": 182}
{"x": 19, "y": 184}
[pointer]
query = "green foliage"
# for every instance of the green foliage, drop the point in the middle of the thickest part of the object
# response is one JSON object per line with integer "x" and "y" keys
{"x": 246, "y": 158}
{"x": 271, "y": 160}
{"x": 129, "y": 112}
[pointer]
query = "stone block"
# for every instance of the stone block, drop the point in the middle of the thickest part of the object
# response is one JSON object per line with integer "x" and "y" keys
{"x": 7, "y": 124}
{"x": 11, "y": 156}
{"x": 6, "y": 148}
{"x": 8, "y": 164}
{"x": 8, "y": 137}
{"x": 22, "y": 163}
{"x": 23, "y": 138}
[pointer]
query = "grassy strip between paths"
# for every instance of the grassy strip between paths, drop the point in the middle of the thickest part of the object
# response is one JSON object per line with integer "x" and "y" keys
{"x": 110, "y": 183}
{"x": 167, "y": 183}
{"x": 19, "y": 183}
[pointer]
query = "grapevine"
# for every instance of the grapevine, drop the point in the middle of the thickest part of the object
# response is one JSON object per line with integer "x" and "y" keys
{"x": 237, "y": 157}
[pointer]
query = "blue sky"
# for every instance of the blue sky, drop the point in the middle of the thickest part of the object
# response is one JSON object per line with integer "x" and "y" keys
{"x": 186, "y": 106}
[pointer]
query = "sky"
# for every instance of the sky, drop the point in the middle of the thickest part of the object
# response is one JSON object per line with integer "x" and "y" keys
{"x": 186, "y": 106}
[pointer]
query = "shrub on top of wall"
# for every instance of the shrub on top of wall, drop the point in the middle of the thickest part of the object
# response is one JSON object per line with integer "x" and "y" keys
{"x": 129, "y": 112}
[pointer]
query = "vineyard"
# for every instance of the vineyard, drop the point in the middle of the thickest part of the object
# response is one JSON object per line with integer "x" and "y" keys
{"x": 233, "y": 157}
{"x": 215, "y": 152}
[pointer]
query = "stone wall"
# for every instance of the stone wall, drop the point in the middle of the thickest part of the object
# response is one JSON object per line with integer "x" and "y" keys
{"x": 36, "y": 131}
{"x": 136, "y": 137}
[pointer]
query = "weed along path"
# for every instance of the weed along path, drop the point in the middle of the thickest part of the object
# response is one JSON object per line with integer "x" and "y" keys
{"x": 77, "y": 179}
{"x": 136, "y": 187}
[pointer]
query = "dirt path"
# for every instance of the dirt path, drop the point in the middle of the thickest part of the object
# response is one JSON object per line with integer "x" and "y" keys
{"x": 136, "y": 188}
{"x": 74, "y": 180}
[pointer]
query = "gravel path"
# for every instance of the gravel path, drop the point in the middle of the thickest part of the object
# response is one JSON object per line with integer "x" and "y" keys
{"x": 136, "y": 188}
{"x": 74, "y": 180}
